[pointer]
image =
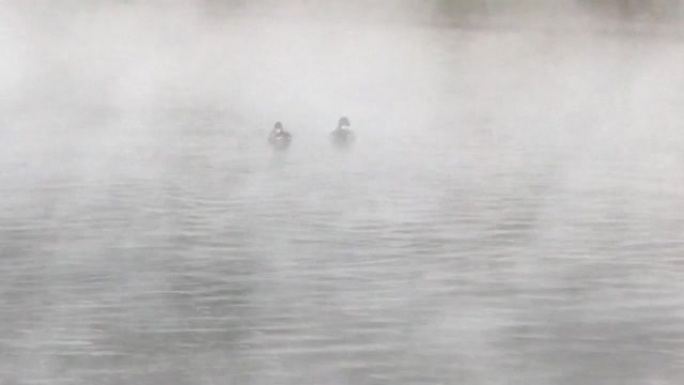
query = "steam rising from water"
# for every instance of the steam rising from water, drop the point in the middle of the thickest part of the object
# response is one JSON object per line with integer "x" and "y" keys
{"x": 509, "y": 210}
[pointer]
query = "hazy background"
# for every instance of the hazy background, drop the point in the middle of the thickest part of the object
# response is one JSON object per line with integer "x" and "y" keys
{"x": 510, "y": 213}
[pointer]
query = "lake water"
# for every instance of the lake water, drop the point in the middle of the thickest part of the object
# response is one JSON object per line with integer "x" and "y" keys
{"x": 523, "y": 225}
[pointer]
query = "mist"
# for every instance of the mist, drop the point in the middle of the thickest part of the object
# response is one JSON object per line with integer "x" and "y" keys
{"x": 509, "y": 212}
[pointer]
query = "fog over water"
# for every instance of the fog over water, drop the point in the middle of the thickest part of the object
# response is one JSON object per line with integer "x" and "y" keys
{"x": 511, "y": 212}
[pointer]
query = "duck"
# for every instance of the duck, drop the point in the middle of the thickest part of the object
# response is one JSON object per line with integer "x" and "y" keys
{"x": 279, "y": 139}
{"x": 342, "y": 136}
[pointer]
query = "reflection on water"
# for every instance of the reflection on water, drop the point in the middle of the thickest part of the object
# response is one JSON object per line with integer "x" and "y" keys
{"x": 192, "y": 260}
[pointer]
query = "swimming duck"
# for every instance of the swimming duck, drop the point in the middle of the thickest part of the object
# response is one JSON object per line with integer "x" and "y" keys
{"x": 279, "y": 139}
{"x": 342, "y": 136}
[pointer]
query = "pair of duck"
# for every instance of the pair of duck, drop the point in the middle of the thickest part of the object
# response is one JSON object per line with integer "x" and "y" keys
{"x": 341, "y": 136}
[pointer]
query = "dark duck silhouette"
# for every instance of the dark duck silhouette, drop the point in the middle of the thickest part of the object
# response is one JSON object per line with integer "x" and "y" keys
{"x": 279, "y": 139}
{"x": 342, "y": 136}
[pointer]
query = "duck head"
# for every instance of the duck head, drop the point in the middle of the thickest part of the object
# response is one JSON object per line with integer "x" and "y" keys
{"x": 343, "y": 122}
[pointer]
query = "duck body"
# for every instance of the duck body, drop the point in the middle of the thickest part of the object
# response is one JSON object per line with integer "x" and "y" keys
{"x": 342, "y": 138}
{"x": 280, "y": 141}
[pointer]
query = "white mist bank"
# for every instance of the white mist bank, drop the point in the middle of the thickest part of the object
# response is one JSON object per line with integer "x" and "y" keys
{"x": 400, "y": 83}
